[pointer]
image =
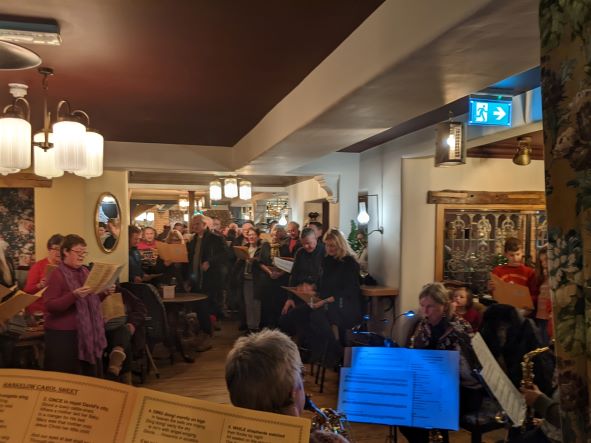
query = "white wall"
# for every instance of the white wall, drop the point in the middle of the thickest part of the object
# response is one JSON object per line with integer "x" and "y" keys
{"x": 346, "y": 166}
{"x": 401, "y": 172}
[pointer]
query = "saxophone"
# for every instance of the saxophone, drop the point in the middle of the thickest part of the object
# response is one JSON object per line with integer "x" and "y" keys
{"x": 329, "y": 420}
{"x": 527, "y": 381}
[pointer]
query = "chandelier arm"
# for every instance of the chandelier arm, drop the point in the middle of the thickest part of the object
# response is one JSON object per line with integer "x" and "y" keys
{"x": 84, "y": 114}
{"x": 25, "y": 110}
{"x": 60, "y": 105}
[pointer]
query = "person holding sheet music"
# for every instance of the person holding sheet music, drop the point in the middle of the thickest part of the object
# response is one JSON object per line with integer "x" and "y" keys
{"x": 441, "y": 329}
{"x": 305, "y": 274}
{"x": 38, "y": 274}
{"x": 7, "y": 277}
{"x": 339, "y": 299}
{"x": 74, "y": 326}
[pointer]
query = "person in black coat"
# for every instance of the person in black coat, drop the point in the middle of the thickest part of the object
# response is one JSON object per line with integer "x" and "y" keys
{"x": 207, "y": 255}
{"x": 305, "y": 274}
{"x": 338, "y": 300}
{"x": 509, "y": 336}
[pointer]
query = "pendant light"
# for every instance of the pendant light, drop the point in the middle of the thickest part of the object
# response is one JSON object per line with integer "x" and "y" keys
{"x": 15, "y": 132}
{"x": 231, "y": 188}
{"x": 215, "y": 190}
{"x": 245, "y": 190}
{"x": 44, "y": 160}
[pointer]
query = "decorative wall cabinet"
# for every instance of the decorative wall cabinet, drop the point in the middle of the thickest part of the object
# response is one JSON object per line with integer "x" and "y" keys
{"x": 471, "y": 229}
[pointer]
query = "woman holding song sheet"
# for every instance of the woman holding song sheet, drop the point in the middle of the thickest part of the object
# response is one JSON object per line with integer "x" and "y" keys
{"x": 74, "y": 326}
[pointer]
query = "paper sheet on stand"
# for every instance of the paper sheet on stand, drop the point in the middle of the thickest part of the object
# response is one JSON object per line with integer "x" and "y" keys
{"x": 400, "y": 386}
{"x": 498, "y": 383}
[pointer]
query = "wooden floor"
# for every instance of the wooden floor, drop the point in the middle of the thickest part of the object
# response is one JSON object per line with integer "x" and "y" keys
{"x": 204, "y": 379}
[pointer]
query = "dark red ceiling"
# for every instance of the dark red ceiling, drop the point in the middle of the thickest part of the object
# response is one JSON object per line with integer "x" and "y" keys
{"x": 187, "y": 72}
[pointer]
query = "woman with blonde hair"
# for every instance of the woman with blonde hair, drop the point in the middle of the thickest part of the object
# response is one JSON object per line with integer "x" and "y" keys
{"x": 441, "y": 329}
{"x": 339, "y": 302}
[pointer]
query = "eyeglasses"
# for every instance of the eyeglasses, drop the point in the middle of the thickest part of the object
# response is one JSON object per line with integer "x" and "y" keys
{"x": 79, "y": 252}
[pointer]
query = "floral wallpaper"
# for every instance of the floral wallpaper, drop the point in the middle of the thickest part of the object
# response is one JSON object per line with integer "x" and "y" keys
{"x": 17, "y": 226}
{"x": 565, "y": 31}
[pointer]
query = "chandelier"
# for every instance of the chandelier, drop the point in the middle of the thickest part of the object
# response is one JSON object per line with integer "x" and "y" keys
{"x": 231, "y": 189}
{"x": 67, "y": 145}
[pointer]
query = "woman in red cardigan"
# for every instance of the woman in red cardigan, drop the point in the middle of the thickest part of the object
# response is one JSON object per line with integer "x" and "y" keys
{"x": 37, "y": 278}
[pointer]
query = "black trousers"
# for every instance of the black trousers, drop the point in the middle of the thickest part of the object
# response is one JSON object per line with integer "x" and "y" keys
{"x": 61, "y": 355}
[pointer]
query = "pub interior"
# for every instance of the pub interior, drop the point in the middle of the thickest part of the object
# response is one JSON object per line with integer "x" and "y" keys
{"x": 207, "y": 197}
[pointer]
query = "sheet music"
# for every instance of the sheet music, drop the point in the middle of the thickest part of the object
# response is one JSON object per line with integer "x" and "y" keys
{"x": 499, "y": 384}
{"x": 15, "y": 304}
{"x": 283, "y": 264}
{"x": 400, "y": 386}
{"x": 511, "y": 293}
{"x": 102, "y": 276}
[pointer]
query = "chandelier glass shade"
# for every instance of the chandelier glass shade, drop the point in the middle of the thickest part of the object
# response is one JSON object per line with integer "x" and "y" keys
{"x": 245, "y": 190}
{"x": 69, "y": 144}
{"x": 44, "y": 162}
{"x": 183, "y": 203}
{"x": 231, "y": 188}
{"x": 15, "y": 143}
{"x": 215, "y": 190}
{"x": 94, "y": 143}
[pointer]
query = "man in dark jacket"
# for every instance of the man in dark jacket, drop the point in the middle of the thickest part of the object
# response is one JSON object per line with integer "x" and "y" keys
{"x": 207, "y": 255}
{"x": 292, "y": 243}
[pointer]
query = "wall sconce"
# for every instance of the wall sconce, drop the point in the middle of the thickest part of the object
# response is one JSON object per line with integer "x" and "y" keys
{"x": 523, "y": 155}
{"x": 450, "y": 146}
{"x": 363, "y": 218}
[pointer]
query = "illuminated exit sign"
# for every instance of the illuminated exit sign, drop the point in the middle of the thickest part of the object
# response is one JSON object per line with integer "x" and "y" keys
{"x": 485, "y": 111}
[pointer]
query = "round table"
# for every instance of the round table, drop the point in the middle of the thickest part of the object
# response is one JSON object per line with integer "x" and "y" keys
{"x": 186, "y": 297}
{"x": 174, "y": 307}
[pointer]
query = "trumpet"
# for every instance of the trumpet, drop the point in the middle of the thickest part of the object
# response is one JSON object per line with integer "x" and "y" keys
{"x": 329, "y": 420}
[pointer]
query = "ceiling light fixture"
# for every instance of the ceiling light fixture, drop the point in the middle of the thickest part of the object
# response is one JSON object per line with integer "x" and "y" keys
{"x": 76, "y": 148}
{"x": 231, "y": 188}
{"x": 245, "y": 190}
{"x": 215, "y": 190}
{"x": 523, "y": 155}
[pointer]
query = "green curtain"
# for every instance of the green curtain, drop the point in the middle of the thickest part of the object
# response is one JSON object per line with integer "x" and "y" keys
{"x": 565, "y": 31}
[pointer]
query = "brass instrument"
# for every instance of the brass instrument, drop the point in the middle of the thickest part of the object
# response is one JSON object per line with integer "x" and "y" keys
{"x": 329, "y": 420}
{"x": 527, "y": 381}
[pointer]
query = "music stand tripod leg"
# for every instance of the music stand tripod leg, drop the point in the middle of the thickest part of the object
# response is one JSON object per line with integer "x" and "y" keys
{"x": 392, "y": 434}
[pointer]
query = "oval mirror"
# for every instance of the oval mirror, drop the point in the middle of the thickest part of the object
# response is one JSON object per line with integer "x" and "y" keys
{"x": 107, "y": 222}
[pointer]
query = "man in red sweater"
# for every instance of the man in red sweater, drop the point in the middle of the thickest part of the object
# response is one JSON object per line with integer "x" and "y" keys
{"x": 515, "y": 271}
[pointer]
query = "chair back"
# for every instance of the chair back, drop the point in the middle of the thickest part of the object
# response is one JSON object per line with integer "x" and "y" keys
{"x": 156, "y": 320}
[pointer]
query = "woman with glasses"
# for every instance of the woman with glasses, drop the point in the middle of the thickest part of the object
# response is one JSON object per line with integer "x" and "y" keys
{"x": 74, "y": 326}
{"x": 41, "y": 270}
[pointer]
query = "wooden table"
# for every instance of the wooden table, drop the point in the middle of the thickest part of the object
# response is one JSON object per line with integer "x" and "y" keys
{"x": 376, "y": 310}
{"x": 173, "y": 308}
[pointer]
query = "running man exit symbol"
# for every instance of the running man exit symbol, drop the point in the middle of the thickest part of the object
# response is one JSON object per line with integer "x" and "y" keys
{"x": 489, "y": 111}
{"x": 481, "y": 112}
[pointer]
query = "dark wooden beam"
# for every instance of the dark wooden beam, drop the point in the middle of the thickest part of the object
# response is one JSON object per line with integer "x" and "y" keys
{"x": 24, "y": 180}
{"x": 486, "y": 198}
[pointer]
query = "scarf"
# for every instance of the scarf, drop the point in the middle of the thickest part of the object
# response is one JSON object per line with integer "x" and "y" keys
{"x": 89, "y": 319}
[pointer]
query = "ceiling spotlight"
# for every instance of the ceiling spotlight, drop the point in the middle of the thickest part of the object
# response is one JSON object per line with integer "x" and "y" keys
{"x": 523, "y": 155}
